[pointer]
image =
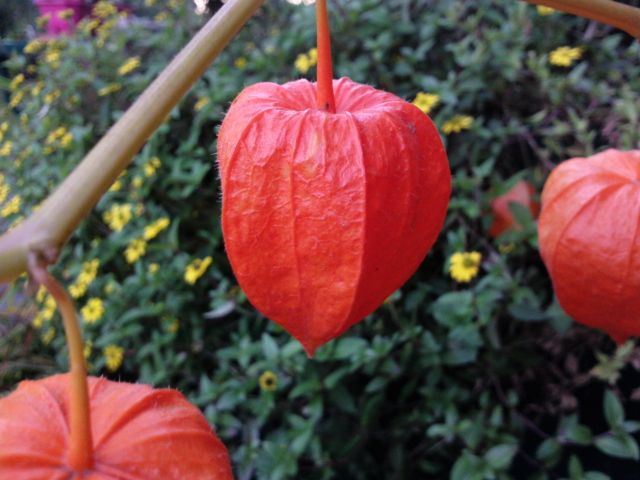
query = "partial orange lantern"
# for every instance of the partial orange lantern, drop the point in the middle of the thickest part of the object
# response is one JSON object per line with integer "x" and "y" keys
{"x": 139, "y": 433}
{"x": 589, "y": 234}
{"x": 522, "y": 193}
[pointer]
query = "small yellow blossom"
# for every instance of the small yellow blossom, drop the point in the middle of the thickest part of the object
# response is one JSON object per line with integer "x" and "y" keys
{"x": 149, "y": 3}
{"x": 151, "y": 231}
{"x": 48, "y": 336}
{"x": 118, "y": 216}
{"x": 153, "y": 268}
{"x": 171, "y": 324}
{"x": 85, "y": 278}
{"x": 88, "y": 26}
{"x": 426, "y": 101}
{"x": 66, "y": 14}
{"x": 17, "y": 80}
{"x": 88, "y": 349}
{"x": 464, "y": 266}
{"x": 457, "y": 124}
{"x": 51, "y": 97}
{"x": 542, "y": 10}
{"x": 4, "y": 126}
{"x": 136, "y": 182}
{"x": 52, "y": 57}
{"x": 43, "y": 20}
{"x": 6, "y": 148}
{"x": 313, "y": 56}
{"x": 16, "y": 98}
{"x": 56, "y": 135}
{"x": 116, "y": 187}
{"x": 268, "y": 381}
{"x": 104, "y": 9}
{"x": 34, "y": 46}
{"x": 201, "y": 103}
{"x": 24, "y": 119}
{"x": 109, "y": 89}
{"x": 136, "y": 249}
{"x": 302, "y": 63}
{"x": 196, "y": 269}
{"x": 161, "y": 17}
{"x": 4, "y": 192}
{"x": 66, "y": 140}
{"x": 92, "y": 311}
{"x": 151, "y": 166}
{"x": 565, "y": 56}
{"x": 113, "y": 356}
{"x": 38, "y": 320}
{"x": 129, "y": 66}
{"x": 240, "y": 62}
{"x": 11, "y": 207}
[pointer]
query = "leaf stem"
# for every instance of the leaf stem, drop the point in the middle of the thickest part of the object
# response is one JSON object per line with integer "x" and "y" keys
{"x": 326, "y": 100}
{"x": 616, "y": 14}
{"x": 65, "y": 208}
{"x": 80, "y": 455}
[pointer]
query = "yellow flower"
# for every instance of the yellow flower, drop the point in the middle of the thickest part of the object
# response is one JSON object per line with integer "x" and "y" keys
{"x": 113, "y": 356}
{"x": 6, "y": 148}
{"x": 136, "y": 249}
{"x": 153, "y": 268}
{"x": 11, "y": 207}
{"x": 151, "y": 231}
{"x": 88, "y": 26}
{"x": 201, "y": 103}
{"x": 52, "y": 57}
{"x": 118, "y": 216}
{"x": 313, "y": 56}
{"x": 34, "y": 46}
{"x": 56, "y": 135}
{"x": 426, "y": 101}
{"x": 104, "y": 9}
{"x": 109, "y": 89}
{"x": 17, "y": 80}
{"x": 37, "y": 89}
{"x": 172, "y": 325}
{"x": 49, "y": 98}
{"x": 542, "y": 10}
{"x": 16, "y": 98}
{"x": 136, "y": 182}
{"x": 565, "y": 56}
{"x": 48, "y": 336}
{"x": 88, "y": 349}
{"x": 457, "y": 124}
{"x": 92, "y": 311}
{"x": 38, "y": 321}
{"x": 4, "y": 126}
{"x": 66, "y": 14}
{"x": 464, "y": 266}
{"x": 109, "y": 288}
{"x": 196, "y": 269}
{"x": 85, "y": 278}
{"x": 149, "y": 3}
{"x": 4, "y": 192}
{"x": 43, "y": 20}
{"x": 151, "y": 166}
{"x": 116, "y": 187}
{"x": 303, "y": 63}
{"x": 268, "y": 381}
{"x": 240, "y": 62}
{"x": 161, "y": 17}
{"x": 129, "y": 66}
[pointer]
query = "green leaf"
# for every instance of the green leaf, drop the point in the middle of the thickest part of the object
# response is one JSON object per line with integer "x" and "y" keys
{"x": 619, "y": 445}
{"x": 549, "y": 451}
{"x": 613, "y": 410}
{"x": 269, "y": 346}
{"x": 575, "y": 469}
{"x": 579, "y": 434}
{"x": 500, "y": 456}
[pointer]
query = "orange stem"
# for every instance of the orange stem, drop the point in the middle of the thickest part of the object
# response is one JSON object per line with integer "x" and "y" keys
{"x": 326, "y": 100}
{"x": 80, "y": 456}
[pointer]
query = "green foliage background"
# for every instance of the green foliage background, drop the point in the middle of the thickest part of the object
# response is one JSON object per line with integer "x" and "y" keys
{"x": 445, "y": 380}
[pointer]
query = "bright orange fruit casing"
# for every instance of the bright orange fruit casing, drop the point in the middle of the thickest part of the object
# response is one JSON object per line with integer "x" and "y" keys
{"x": 589, "y": 234}
{"x": 139, "y": 433}
{"x": 324, "y": 215}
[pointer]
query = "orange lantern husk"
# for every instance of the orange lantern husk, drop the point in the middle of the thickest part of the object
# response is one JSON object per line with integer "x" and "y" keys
{"x": 332, "y": 195}
{"x": 139, "y": 433}
{"x": 589, "y": 235}
{"x": 522, "y": 193}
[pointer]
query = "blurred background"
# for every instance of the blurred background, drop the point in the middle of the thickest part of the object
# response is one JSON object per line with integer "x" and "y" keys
{"x": 470, "y": 371}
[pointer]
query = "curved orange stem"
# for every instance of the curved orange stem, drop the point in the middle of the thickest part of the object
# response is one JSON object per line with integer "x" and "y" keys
{"x": 80, "y": 455}
{"x": 326, "y": 100}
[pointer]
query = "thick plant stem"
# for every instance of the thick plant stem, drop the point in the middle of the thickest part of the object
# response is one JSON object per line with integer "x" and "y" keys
{"x": 62, "y": 212}
{"x": 80, "y": 455}
{"x": 619, "y": 15}
{"x": 326, "y": 100}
